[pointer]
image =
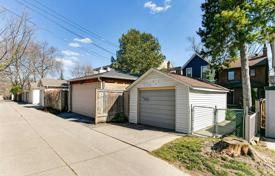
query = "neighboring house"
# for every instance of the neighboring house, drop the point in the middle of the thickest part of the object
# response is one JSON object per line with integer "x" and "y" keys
{"x": 164, "y": 100}
{"x": 195, "y": 67}
{"x": 231, "y": 78}
{"x": 176, "y": 70}
{"x": 83, "y": 90}
{"x": 164, "y": 65}
{"x": 53, "y": 94}
{"x": 102, "y": 69}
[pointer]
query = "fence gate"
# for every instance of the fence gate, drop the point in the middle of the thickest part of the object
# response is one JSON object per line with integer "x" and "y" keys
{"x": 215, "y": 122}
{"x": 108, "y": 104}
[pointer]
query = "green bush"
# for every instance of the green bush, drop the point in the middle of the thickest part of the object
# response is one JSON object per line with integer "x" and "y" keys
{"x": 119, "y": 118}
{"x": 230, "y": 115}
{"x": 15, "y": 90}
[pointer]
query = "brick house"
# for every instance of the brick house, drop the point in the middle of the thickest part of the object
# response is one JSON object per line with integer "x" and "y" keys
{"x": 259, "y": 74}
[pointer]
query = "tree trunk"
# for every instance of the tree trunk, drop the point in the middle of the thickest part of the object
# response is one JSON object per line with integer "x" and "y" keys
{"x": 246, "y": 85}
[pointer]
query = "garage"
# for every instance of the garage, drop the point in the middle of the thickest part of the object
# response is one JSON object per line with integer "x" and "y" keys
{"x": 165, "y": 100}
{"x": 83, "y": 99}
{"x": 157, "y": 108}
{"x": 86, "y": 95}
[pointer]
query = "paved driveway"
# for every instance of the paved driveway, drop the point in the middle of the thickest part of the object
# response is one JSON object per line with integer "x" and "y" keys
{"x": 140, "y": 136}
{"x": 37, "y": 143}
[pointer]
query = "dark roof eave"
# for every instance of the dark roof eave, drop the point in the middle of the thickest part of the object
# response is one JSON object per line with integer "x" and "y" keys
{"x": 97, "y": 77}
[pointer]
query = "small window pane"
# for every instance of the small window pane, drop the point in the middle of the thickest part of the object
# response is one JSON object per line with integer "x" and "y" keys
{"x": 189, "y": 72}
{"x": 252, "y": 72}
{"x": 231, "y": 75}
{"x": 203, "y": 72}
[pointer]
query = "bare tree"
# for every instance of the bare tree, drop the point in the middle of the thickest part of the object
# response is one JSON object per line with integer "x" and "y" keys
{"x": 43, "y": 60}
{"x": 88, "y": 70}
{"x": 14, "y": 39}
{"x": 196, "y": 47}
{"x": 81, "y": 70}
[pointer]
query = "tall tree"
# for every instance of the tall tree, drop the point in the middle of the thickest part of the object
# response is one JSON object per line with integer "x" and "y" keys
{"x": 15, "y": 36}
{"x": 138, "y": 52}
{"x": 43, "y": 60}
{"x": 228, "y": 27}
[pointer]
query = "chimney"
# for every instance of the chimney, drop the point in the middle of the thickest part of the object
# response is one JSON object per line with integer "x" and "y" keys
{"x": 264, "y": 50}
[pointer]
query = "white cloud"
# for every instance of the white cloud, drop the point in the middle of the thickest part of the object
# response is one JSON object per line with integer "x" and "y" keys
{"x": 154, "y": 8}
{"x": 83, "y": 40}
{"x": 74, "y": 45}
{"x": 70, "y": 53}
{"x": 66, "y": 62}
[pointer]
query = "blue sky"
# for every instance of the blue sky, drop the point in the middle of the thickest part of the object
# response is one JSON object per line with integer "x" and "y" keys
{"x": 171, "y": 21}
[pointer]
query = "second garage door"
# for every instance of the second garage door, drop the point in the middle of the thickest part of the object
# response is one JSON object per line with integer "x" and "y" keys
{"x": 83, "y": 99}
{"x": 157, "y": 108}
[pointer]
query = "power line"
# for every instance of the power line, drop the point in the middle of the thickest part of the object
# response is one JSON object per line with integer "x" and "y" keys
{"x": 56, "y": 36}
{"x": 62, "y": 26}
{"x": 70, "y": 23}
{"x": 74, "y": 23}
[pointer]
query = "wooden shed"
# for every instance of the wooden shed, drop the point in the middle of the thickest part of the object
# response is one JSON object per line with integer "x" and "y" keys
{"x": 89, "y": 92}
{"x": 164, "y": 100}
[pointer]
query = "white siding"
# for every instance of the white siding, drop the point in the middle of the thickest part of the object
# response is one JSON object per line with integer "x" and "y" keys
{"x": 204, "y": 117}
{"x": 270, "y": 113}
{"x": 155, "y": 79}
{"x": 35, "y": 96}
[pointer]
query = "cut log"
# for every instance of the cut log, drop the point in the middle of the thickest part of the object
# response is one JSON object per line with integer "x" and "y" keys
{"x": 234, "y": 147}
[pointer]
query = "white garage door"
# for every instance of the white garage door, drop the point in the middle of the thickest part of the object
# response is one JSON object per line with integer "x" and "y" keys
{"x": 157, "y": 108}
{"x": 83, "y": 99}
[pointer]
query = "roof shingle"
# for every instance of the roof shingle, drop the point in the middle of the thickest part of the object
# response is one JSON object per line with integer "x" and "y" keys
{"x": 54, "y": 83}
{"x": 257, "y": 61}
{"x": 195, "y": 83}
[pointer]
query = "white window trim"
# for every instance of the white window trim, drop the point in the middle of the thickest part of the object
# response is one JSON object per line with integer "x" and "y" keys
{"x": 191, "y": 71}
{"x": 202, "y": 69}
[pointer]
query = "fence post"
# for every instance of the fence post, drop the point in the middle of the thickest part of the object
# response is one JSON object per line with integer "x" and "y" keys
{"x": 245, "y": 124}
{"x": 215, "y": 122}
{"x": 192, "y": 119}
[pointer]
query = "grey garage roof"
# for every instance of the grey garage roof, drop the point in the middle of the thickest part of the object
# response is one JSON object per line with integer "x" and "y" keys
{"x": 53, "y": 83}
{"x": 110, "y": 74}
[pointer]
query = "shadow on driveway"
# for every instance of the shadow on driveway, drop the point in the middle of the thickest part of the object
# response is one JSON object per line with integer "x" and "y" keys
{"x": 73, "y": 117}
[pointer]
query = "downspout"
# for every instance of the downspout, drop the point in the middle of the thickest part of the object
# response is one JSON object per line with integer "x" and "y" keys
{"x": 101, "y": 82}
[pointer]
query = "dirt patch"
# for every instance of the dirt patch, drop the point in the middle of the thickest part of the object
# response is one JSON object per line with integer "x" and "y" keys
{"x": 197, "y": 155}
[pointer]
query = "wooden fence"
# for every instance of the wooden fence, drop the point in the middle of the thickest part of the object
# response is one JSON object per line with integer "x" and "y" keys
{"x": 261, "y": 111}
{"x": 56, "y": 99}
{"x": 109, "y": 103}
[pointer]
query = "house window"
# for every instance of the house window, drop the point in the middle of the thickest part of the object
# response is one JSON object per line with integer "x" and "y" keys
{"x": 203, "y": 72}
{"x": 189, "y": 72}
{"x": 253, "y": 72}
{"x": 231, "y": 75}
